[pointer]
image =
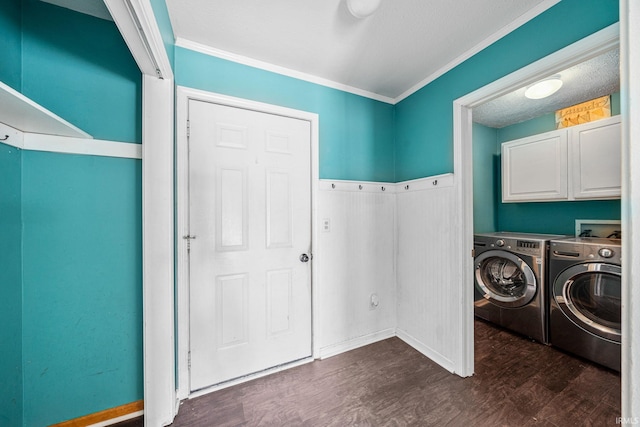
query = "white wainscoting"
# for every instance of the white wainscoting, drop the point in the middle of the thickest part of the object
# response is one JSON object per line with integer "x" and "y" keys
{"x": 428, "y": 301}
{"x": 356, "y": 258}
{"x": 393, "y": 240}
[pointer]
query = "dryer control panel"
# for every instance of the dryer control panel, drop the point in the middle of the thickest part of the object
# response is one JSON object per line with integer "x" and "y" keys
{"x": 582, "y": 250}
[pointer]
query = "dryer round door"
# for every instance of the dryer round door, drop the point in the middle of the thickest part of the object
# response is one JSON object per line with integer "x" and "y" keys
{"x": 590, "y": 296}
{"x": 505, "y": 279}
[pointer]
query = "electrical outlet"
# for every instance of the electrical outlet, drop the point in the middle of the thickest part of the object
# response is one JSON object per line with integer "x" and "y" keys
{"x": 373, "y": 301}
{"x": 326, "y": 225}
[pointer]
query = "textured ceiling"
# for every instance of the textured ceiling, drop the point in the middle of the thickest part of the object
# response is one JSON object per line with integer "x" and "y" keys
{"x": 596, "y": 77}
{"x": 388, "y": 53}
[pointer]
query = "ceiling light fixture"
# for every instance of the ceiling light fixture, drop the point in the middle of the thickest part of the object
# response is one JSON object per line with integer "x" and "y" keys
{"x": 362, "y": 8}
{"x": 543, "y": 88}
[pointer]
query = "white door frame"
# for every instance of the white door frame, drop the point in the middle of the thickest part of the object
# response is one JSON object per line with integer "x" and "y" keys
{"x": 630, "y": 103}
{"x": 137, "y": 24}
{"x": 183, "y": 95}
{"x": 575, "y": 53}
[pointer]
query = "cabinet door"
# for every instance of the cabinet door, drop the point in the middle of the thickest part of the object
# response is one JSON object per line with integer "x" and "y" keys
{"x": 595, "y": 153}
{"x": 535, "y": 168}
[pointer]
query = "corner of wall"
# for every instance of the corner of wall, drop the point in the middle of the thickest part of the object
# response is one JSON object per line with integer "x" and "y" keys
{"x": 11, "y": 312}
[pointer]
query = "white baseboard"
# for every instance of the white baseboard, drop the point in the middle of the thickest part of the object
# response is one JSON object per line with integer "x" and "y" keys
{"x": 426, "y": 350}
{"x": 352, "y": 344}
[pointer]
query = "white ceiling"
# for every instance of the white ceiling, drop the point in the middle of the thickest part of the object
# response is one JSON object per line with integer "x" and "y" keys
{"x": 388, "y": 55}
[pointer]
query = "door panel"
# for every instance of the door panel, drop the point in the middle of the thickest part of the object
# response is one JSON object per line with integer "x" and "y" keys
{"x": 250, "y": 213}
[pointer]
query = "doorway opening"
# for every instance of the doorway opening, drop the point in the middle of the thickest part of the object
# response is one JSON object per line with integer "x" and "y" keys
{"x": 579, "y": 52}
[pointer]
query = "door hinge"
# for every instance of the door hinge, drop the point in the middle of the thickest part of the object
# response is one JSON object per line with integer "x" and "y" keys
{"x": 473, "y": 253}
{"x": 188, "y": 238}
{"x": 188, "y": 128}
{"x": 189, "y": 359}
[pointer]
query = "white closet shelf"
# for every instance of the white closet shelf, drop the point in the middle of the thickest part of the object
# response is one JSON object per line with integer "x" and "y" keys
{"x": 21, "y": 113}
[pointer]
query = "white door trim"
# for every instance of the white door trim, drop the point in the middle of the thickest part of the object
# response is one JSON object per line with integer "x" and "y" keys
{"x": 630, "y": 96}
{"x": 575, "y": 53}
{"x": 183, "y": 95}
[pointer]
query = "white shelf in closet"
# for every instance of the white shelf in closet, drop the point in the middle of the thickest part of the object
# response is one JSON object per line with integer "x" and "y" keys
{"x": 25, "y": 115}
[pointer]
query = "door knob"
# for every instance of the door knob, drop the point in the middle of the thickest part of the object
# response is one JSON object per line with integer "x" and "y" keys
{"x": 304, "y": 258}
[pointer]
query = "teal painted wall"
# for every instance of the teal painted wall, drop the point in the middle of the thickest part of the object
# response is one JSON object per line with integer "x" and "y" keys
{"x": 71, "y": 225}
{"x": 424, "y": 121}
{"x": 79, "y": 67}
{"x": 356, "y": 133}
{"x": 82, "y": 326}
{"x": 161, "y": 14}
{"x": 11, "y": 43}
{"x": 10, "y": 287}
{"x": 11, "y": 402}
{"x": 486, "y": 194}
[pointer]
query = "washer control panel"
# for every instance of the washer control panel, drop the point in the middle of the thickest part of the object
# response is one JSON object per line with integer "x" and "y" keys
{"x": 521, "y": 246}
{"x": 590, "y": 251}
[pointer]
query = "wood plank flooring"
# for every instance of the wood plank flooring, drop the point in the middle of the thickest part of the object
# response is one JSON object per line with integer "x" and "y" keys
{"x": 517, "y": 383}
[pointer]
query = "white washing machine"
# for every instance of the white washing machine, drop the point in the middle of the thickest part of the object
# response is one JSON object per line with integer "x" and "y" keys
{"x": 510, "y": 281}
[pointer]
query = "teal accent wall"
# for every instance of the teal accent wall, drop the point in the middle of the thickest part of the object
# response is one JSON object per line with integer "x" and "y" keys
{"x": 424, "y": 120}
{"x": 10, "y": 287}
{"x": 486, "y": 193}
{"x": 161, "y": 14}
{"x": 356, "y": 133}
{"x": 79, "y": 67}
{"x": 71, "y": 294}
{"x": 554, "y": 217}
{"x": 82, "y": 285}
{"x": 11, "y": 43}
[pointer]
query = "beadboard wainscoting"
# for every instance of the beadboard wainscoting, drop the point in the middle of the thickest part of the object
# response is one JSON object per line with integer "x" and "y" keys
{"x": 426, "y": 297}
{"x": 388, "y": 241}
{"x": 356, "y": 259}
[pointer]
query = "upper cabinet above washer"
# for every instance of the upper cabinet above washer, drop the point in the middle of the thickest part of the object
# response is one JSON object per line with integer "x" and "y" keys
{"x": 535, "y": 168}
{"x": 595, "y": 159}
{"x": 577, "y": 163}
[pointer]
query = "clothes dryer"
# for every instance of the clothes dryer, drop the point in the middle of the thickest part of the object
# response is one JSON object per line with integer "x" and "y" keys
{"x": 510, "y": 281}
{"x": 585, "y": 298}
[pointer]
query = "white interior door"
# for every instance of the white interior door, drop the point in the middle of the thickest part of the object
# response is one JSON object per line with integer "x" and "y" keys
{"x": 250, "y": 222}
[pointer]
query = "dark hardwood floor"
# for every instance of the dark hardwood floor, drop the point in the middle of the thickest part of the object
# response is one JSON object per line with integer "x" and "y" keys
{"x": 517, "y": 383}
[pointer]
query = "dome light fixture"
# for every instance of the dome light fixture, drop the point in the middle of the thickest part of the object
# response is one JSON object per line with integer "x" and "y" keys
{"x": 362, "y": 8}
{"x": 544, "y": 88}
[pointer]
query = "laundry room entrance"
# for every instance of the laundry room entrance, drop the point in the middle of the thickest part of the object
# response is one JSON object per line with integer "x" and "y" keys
{"x": 538, "y": 180}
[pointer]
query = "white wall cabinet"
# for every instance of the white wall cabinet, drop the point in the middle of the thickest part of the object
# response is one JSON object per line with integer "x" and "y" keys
{"x": 595, "y": 159}
{"x": 535, "y": 168}
{"x": 577, "y": 163}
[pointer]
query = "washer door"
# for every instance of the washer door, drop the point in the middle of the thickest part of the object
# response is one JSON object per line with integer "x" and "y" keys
{"x": 505, "y": 279}
{"x": 590, "y": 296}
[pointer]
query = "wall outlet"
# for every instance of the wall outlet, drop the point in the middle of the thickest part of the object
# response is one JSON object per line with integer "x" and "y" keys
{"x": 326, "y": 225}
{"x": 373, "y": 301}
